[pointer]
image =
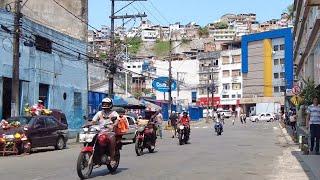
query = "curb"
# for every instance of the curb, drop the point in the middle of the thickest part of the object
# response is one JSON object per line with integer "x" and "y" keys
{"x": 287, "y": 137}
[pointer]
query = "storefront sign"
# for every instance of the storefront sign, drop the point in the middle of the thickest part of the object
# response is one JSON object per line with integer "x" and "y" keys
{"x": 162, "y": 84}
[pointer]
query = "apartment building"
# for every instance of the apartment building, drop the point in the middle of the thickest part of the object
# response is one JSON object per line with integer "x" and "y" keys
{"x": 267, "y": 66}
{"x": 230, "y": 78}
{"x": 209, "y": 74}
{"x": 307, "y": 40}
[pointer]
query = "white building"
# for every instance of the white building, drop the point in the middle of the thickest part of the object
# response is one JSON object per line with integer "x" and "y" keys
{"x": 230, "y": 78}
{"x": 222, "y": 34}
{"x": 186, "y": 72}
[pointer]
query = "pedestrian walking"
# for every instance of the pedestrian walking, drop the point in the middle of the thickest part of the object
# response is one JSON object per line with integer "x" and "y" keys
{"x": 159, "y": 121}
{"x": 293, "y": 121}
{"x": 173, "y": 122}
{"x": 313, "y": 120}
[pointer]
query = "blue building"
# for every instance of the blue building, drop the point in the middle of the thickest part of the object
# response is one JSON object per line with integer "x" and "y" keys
{"x": 52, "y": 68}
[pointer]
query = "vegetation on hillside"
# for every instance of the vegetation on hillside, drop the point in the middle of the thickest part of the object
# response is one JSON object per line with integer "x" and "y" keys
{"x": 203, "y": 32}
{"x": 221, "y": 25}
{"x": 134, "y": 44}
{"x": 162, "y": 48}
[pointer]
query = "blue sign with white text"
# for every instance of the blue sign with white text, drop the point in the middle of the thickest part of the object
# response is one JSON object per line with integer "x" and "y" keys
{"x": 162, "y": 84}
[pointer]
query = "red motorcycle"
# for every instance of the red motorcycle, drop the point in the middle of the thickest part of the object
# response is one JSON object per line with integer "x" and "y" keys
{"x": 146, "y": 139}
{"x": 95, "y": 151}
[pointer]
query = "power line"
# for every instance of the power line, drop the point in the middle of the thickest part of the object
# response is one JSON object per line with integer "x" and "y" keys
{"x": 150, "y": 1}
{"x": 67, "y": 10}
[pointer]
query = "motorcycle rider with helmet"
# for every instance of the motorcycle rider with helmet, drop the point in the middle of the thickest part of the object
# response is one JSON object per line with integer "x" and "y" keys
{"x": 106, "y": 118}
{"x": 185, "y": 121}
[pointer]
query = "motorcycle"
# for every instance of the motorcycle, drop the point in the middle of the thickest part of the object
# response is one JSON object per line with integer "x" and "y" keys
{"x": 95, "y": 151}
{"x": 218, "y": 128}
{"x": 145, "y": 139}
{"x": 183, "y": 134}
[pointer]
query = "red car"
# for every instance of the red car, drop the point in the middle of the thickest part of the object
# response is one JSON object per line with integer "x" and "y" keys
{"x": 37, "y": 131}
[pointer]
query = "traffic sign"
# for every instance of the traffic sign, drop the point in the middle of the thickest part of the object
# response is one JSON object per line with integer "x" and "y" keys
{"x": 162, "y": 84}
{"x": 296, "y": 100}
{"x": 296, "y": 90}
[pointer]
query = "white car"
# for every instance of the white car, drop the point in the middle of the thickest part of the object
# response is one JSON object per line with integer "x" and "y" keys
{"x": 133, "y": 127}
{"x": 263, "y": 117}
{"x": 225, "y": 113}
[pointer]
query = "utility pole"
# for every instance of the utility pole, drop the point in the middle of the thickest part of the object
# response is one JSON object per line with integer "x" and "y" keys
{"x": 170, "y": 78}
{"x": 112, "y": 56}
{"x": 16, "y": 58}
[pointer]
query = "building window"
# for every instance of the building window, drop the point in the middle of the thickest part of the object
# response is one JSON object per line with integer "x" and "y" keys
{"x": 276, "y": 89}
{"x": 276, "y": 47}
{"x": 239, "y": 95}
{"x": 276, "y": 62}
{"x": 236, "y": 59}
{"x": 128, "y": 66}
{"x": 282, "y": 88}
{"x": 216, "y": 62}
{"x": 236, "y": 73}
{"x": 282, "y": 61}
{"x": 134, "y": 66}
{"x": 226, "y": 86}
{"x": 225, "y": 60}
{"x": 225, "y": 96}
{"x": 43, "y": 44}
{"x": 226, "y": 73}
{"x": 233, "y": 96}
{"x": 282, "y": 47}
{"x": 139, "y": 66}
{"x": 77, "y": 99}
{"x": 282, "y": 75}
{"x": 275, "y": 75}
{"x": 236, "y": 86}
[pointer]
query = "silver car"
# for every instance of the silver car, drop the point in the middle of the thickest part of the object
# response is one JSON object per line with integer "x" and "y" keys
{"x": 133, "y": 127}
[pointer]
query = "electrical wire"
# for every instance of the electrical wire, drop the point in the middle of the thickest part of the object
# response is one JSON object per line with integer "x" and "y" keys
{"x": 67, "y": 10}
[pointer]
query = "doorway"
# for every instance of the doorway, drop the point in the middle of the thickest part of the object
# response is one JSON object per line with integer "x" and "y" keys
{"x": 7, "y": 86}
{"x": 44, "y": 93}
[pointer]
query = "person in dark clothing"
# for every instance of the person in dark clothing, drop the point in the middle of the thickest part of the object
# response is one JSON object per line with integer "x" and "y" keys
{"x": 173, "y": 122}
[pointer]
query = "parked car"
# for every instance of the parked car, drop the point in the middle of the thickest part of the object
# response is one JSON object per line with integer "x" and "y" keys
{"x": 225, "y": 113}
{"x": 133, "y": 127}
{"x": 263, "y": 117}
{"x": 40, "y": 131}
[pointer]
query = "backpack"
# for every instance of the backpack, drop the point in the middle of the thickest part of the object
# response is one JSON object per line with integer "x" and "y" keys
{"x": 123, "y": 126}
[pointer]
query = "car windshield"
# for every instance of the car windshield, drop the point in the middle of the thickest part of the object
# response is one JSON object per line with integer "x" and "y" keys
{"x": 22, "y": 120}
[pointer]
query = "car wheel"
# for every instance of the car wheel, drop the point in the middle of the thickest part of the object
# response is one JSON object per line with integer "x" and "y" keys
{"x": 60, "y": 144}
{"x": 271, "y": 119}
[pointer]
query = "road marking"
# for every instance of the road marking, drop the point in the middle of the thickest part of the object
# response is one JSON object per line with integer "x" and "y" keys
{"x": 196, "y": 127}
{"x": 275, "y": 128}
{"x": 205, "y": 127}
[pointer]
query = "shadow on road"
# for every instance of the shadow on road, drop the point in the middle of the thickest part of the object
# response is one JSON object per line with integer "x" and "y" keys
{"x": 103, "y": 171}
{"x": 298, "y": 155}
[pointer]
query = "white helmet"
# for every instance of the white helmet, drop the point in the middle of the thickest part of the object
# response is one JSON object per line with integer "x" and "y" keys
{"x": 106, "y": 103}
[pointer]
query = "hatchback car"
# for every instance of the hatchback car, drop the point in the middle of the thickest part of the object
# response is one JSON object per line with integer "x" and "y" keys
{"x": 41, "y": 131}
{"x": 263, "y": 117}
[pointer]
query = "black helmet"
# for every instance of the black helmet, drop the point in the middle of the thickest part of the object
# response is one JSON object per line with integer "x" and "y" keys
{"x": 185, "y": 113}
{"x": 106, "y": 103}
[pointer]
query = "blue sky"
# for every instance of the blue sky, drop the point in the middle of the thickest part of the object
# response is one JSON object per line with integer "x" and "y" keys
{"x": 184, "y": 11}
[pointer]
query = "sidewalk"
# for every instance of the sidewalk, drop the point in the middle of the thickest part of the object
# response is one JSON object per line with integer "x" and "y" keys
{"x": 309, "y": 162}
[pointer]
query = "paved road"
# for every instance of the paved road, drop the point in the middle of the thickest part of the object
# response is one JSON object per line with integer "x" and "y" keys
{"x": 250, "y": 151}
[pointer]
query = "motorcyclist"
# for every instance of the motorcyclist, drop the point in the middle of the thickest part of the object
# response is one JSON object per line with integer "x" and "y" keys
{"x": 185, "y": 121}
{"x": 106, "y": 118}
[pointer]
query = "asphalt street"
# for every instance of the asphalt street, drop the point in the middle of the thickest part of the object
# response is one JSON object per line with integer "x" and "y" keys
{"x": 249, "y": 151}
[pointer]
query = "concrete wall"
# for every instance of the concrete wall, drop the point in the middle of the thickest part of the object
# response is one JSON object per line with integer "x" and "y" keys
{"x": 62, "y": 69}
{"x": 253, "y": 81}
{"x": 48, "y": 13}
